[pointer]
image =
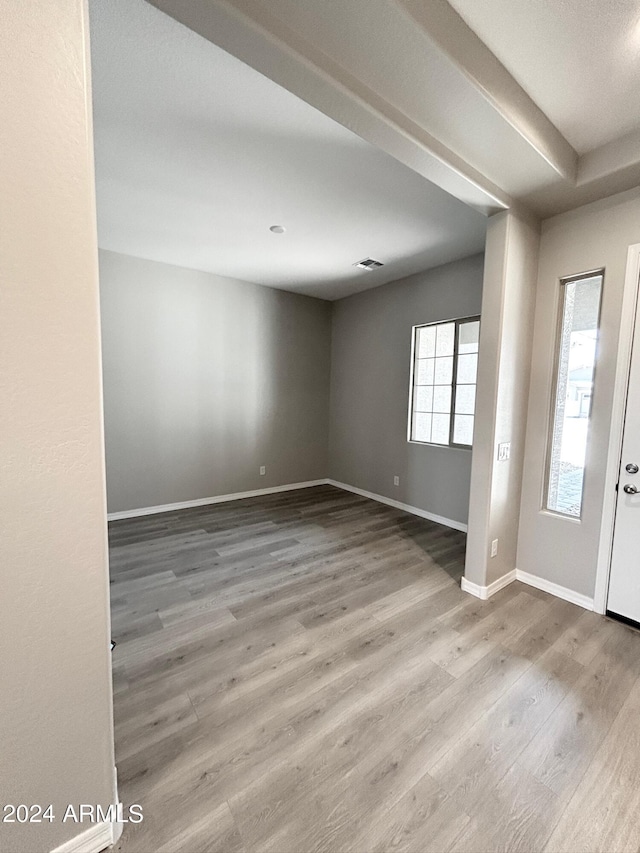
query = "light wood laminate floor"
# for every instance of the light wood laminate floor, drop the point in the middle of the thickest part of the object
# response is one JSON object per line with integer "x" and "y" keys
{"x": 301, "y": 672}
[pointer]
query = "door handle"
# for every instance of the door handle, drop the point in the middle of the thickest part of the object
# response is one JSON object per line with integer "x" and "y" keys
{"x": 630, "y": 490}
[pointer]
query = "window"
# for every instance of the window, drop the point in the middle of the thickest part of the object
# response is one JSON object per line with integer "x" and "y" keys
{"x": 575, "y": 365}
{"x": 443, "y": 382}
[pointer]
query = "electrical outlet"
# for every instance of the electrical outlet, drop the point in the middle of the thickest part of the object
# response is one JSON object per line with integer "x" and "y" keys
{"x": 494, "y": 548}
{"x": 504, "y": 451}
{"x": 263, "y": 470}
{"x": 396, "y": 481}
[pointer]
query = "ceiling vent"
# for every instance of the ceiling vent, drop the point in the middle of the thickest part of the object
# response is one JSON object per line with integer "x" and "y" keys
{"x": 368, "y": 264}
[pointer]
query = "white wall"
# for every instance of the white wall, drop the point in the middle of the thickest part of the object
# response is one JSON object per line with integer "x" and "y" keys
{"x": 206, "y": 379}
{"x": 370, "y": 369}
{"x": 55, "y": 681}
{"x": 501, "y": 403}
{"x": 558, "y": 549}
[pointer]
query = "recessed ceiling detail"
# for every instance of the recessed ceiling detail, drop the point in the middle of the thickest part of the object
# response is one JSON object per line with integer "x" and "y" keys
{"x": 196, "y": 153}
{"x": 577, "y": 60}
{"x": 277, "y": 229}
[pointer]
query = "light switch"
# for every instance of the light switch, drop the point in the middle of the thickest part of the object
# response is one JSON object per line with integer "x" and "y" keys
{"x": 504, "y": 451}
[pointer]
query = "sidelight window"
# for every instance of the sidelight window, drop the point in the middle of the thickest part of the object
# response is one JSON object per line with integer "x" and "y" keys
{"x": 576, "y": 353}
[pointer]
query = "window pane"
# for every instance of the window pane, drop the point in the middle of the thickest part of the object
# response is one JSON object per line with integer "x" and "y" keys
{"x": 426, "y": 342}
{"x": 442, "y": 398}
{"x": 421, "y": 427}
{"x": 440, "y": 429}
{"x": 463, "y": 429}
{"x": 424, "y": 371}
{"x": 465, "y": 399}
{"x": 467, "y": 368}
{"x": 423, "y": 398}
{"x": 446, "y": 333}
{"x": 469, "y": 337}
{"x": 575, "y": 366}
{"x": 443, "y": 371}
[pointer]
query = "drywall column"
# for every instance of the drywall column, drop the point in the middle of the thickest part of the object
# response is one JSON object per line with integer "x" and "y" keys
{"x": 508, "y": 304}
{"x": 55, "y": 694}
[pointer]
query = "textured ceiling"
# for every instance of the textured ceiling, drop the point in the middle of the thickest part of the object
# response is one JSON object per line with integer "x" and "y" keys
{"x": 197, "y": 155}
{"x": 578, "y": 59}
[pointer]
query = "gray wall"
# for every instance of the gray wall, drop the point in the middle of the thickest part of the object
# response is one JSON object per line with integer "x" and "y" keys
{"x": 558, "y": 549}
{"x": 371, "y": 355}
{"x": 55, "y": 696}
{"x": 206, "y": 379}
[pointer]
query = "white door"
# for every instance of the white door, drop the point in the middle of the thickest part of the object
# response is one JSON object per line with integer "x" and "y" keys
{"x": 624, "y": 582}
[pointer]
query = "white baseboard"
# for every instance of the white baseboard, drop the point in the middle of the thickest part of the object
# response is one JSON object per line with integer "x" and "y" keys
{"x": 237, "y": 496}
{"x": 97, "y": 837}
{"x": 430, "y": 516}
{"x": 118, "y": 826}
{"x": 218, "y": 499}
{"x": 485, "y": 592}
{"x": 555, "y": 589}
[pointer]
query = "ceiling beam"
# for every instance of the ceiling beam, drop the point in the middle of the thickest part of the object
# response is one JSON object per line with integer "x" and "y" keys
{"x": 451, "y": 34}
{"x": 247, "y": 30}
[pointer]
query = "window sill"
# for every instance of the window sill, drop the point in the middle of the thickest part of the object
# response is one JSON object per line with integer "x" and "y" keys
{"x": 466, "y": 447}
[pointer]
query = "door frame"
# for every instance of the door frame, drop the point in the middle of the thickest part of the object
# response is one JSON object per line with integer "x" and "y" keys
{"x": 616, "y": 430}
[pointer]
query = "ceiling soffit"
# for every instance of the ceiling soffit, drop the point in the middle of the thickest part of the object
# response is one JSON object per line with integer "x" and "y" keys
{"x": 412, "y": 78}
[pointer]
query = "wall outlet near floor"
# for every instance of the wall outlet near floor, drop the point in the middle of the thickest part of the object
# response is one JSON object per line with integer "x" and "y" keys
{"x": 263, "y": 470}
{"x": 494, "y": 548}
{"x": 504, "y": 451}
{"x": 396, "y": 480}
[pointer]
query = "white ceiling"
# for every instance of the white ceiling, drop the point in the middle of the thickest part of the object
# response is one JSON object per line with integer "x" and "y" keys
{"x": 197, "y": 155}
{"x": 579, "y": 60}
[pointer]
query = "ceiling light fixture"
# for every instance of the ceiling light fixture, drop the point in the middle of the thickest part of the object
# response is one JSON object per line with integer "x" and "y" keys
{"x": 277, "y": 229}
{"x": 368, "y": 264}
